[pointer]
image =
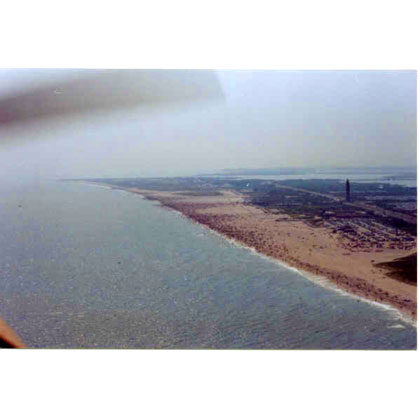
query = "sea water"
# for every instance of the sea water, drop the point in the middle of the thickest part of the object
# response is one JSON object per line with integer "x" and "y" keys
{"x": 89, "y": 267}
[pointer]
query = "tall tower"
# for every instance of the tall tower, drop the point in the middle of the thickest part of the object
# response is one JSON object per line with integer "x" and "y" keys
{"x": 347, "y": 190}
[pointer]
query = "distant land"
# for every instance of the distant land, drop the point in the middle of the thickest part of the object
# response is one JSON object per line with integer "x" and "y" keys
{"x": 363, "y": 240}
{"x": 406, "y": 172}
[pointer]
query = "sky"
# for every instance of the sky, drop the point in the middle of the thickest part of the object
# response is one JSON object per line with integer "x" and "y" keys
{"x": 264, "y": 119}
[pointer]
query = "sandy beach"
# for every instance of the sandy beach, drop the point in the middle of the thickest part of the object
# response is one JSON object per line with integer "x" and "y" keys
{"x": 318, "y": 251}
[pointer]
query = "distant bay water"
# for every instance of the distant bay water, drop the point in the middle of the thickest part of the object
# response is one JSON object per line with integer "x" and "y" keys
{"x": 88, "y": 267}
{"x": 406, "y": 178}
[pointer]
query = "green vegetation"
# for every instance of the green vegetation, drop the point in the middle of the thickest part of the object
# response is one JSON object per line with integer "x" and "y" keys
{"x": 402, "y": 269}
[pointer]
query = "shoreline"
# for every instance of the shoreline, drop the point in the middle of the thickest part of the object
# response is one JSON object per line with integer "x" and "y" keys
{"x": 245, "y": 225}
{"x": 319, "y": 280}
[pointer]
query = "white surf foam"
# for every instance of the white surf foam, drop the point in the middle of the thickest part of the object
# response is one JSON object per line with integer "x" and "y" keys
{"x": 319, "y": 280}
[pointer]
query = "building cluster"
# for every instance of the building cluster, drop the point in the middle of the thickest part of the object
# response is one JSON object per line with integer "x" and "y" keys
{"x": 362, "y": 234}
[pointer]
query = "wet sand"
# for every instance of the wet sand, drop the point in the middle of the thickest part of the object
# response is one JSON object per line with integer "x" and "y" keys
{"x": 317, "y": 251}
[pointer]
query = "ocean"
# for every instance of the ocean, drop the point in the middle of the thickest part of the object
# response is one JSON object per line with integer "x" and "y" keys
{"x": 83, "y": 266}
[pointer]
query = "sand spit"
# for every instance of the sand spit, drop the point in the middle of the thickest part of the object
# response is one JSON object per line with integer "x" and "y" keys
{"x": 316, "y": 252}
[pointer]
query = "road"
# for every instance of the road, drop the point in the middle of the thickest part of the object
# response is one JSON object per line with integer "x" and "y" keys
{"x": 360, "y": 205}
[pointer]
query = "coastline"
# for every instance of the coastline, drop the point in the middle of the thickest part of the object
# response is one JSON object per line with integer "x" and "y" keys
{"x": 310, "y": 251}
{"x": 313, "y": 252}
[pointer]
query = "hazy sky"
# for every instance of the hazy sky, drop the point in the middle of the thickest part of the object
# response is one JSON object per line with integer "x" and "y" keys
{"x": 267, "y": 119}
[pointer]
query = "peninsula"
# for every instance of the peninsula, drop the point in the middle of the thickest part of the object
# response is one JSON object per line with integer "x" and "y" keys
{"x": 363, "y": 241}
